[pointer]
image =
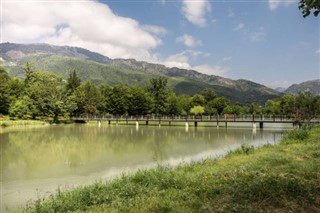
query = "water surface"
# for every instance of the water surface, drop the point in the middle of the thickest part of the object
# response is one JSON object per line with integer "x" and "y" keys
{"x": 37, "y": 161}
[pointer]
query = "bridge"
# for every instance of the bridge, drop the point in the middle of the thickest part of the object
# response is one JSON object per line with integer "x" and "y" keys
{"x": 218, "y": 120}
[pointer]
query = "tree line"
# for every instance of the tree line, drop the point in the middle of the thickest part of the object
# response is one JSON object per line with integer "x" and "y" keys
{"x": 46, "y": 95}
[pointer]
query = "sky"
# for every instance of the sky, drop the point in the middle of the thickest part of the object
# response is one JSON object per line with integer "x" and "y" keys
{"x": 265, "y": 41}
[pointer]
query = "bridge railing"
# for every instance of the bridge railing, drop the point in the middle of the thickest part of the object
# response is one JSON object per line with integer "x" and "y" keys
{"x": 220, "y": 118}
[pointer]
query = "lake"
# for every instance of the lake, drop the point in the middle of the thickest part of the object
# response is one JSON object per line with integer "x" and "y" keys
{"x": 36, "y": 161}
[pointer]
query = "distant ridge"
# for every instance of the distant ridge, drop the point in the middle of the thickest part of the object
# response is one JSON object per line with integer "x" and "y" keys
{"x": 101, "y": 69}
{"x": 312, "y": 86}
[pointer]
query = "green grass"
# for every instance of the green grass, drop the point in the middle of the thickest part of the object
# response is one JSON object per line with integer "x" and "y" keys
{"x": 280, "y": 178}
{"x": 7, "y": 123}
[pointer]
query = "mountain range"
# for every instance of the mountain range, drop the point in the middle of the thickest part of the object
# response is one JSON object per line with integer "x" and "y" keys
{"x": 101, "y": 69}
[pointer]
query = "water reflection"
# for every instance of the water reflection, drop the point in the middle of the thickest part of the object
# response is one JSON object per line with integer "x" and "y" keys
{"x": 56, "y": 154}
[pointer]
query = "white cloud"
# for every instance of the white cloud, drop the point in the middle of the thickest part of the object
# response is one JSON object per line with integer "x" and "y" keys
{"x": 281, "y": 83}
{"x": 195, "y": 11}
{"x": 259, "y": 35}
{"x": 179, "y": 60}
{"x": 274, "y": 4}
{"x": 156, "y": 30}
{"x": 212, "y": 70}
{"x": 188, "y": 40}
{"x": 182, "y": 60}
{"x": 239, "y": 27}
{"x": 88, "y": 24}
{"x": 318, "y": 51}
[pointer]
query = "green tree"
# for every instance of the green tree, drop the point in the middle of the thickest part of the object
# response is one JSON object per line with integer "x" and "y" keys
{"x": 197, "y": 110}
{"x": 23, "y": 108}
{"x": 139, "y": 101}
{"x": 273, "y": 107}
{"x": 47, "y": 91}
{"x": 198, "y": 99}
{"x": 105, "y": 92}
{"x": 307, "y": 6}
{"x": 73, "y": 81}
{"x": 159, "y": 92}
{"x": 209, "y": 94}
{"x": 17, "y": 88}
{"x": 29, "y": 71}
{"x": 219, "y": 104}
{"x": 286, "y": 105}
{"x": 4, "y": 91}
{"x": 174, "y": 108}
{"x": 255, "y": 109}
{"x": 88, "y": 99}
{"x": 305, "y": 106}
{"x": 118, "y": 100}
{"x": 185, "y": 104}
{"x": 210, "y": 108}
{"x": 229, "y": 109}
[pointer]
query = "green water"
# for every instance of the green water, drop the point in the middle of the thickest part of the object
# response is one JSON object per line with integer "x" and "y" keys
{"x": 37, "y": 161}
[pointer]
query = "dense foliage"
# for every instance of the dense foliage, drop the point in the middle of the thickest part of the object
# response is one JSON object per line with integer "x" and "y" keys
{"x": 307, "y": 6}
{"x": 44, "y": 95}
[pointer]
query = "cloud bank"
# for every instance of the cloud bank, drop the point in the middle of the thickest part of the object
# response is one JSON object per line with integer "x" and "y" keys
{"x": 91, "y": 25}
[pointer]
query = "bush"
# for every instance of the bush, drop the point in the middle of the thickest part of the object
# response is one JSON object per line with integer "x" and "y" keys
{"x": 296, "y": 134}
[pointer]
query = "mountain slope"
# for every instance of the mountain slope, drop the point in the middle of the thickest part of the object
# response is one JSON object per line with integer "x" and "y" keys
{"x": 101, "y": 69}
{"x": 312, "y": 86}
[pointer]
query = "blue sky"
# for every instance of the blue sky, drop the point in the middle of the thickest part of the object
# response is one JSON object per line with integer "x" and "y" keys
{"x": 268, "y": 42}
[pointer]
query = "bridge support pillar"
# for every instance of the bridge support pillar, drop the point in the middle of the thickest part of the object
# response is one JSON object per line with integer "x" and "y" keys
{"x": 226, "y": 124}
{"x": 169, "y": 123}
{"x": 261, "y": 125}
{"x": 147, "y": 123}
{"x": 109, "y": 122}
{"x": 254, "y": 126}
{"x": 196, "y": 123}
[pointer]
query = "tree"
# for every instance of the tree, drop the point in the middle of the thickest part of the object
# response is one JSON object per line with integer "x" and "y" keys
{"x": 210, "y": 108}
{"x": 4, "y": 91}
{"x": 29, "y": 71}
{"x": 286, "y": 105}
{"x": 273, "y": 107}
{"x": 209, "y": 94}
{"x": 139, "y": 101}
{"x": 305, "y": 107}
{"x": 105, "y": 92}
{"x": 47, "y": 92}
{"x": 185, "y": 104}
{"x": 219, "y": 104}
{"x": 73, "y": 82}
{"x": 118, "y": 100}
{"x": 307, "y": 6}
{"x": 254, "y": 108}
{"x": 174, "y": 108}
{"x": 23, "y": 108}
{"x": 198, "y": 99}
{"x": 88, "y": 99}
{"x": 197, "y": 110}
{"x": 159, "y": 92}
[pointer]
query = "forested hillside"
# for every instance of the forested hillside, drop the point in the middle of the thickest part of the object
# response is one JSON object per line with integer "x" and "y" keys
{"x": 100, "y": 69}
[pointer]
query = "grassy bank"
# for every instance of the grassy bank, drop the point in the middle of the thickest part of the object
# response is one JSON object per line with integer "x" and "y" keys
{"x": 7, "y": 122}
{"x": 281, "y": 178}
